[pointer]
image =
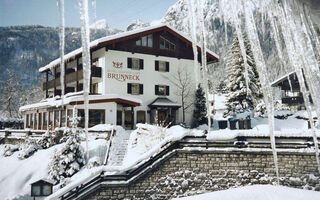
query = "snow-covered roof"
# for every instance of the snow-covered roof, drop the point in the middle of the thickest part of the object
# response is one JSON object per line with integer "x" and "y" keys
{"x": 162, "y": 101}
{"x": 56, "y": 101}
{"x": 275, "y": 83}
{"x": 113, "y": 37}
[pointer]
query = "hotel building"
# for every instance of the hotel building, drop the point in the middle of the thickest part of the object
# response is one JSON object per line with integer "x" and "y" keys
{"x": 131, "y": 81}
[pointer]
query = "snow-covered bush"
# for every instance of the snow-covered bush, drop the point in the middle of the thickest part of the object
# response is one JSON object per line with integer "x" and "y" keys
{"x": 94, "y": 162}
{"x": 260, "y": 109}
{"x": 47, "y": 140}
{"x": 28, "y": 149}
{"x": 70, "y": 158}
{"x": 146, "y": 137}
{"x": 9, "y": 149}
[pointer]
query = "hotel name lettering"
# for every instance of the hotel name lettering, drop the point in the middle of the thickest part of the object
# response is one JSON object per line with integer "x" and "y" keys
{"x": 123, "y": 77}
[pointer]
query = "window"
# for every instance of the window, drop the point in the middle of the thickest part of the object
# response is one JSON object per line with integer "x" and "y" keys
{"x": 50, "y": 119}
{"x": 145, "y": 41}
{"x": 63, "y": 118}
{"x": 45, "y": 120}
{"x": 135, "y": 63}
{"x": 27, "y": 121}
{"x": 70, "y": 115}
{"x": 36, "y": 190}
{"x": 46, "y": 190}
{"x": 162, "y": 90}
{"x": 135, "y": 88}
{"x": 31, "y": 120}
{"x": 141, "y": 116}
{"x": 94, "y": 88}
{"x": 161, "y": 66}
{"x": 56, "y": 118}
{"x": 40, "y": 121}
{"x": 166, "y": 44}
{"x": 35, "y": 120}
{"x": 95, "y": 117}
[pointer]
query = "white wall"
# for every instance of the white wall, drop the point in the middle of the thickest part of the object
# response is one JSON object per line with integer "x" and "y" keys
{"x": 148, "y": 77}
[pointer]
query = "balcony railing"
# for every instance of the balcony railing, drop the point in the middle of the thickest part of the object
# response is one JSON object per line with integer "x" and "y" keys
{"x": 72, "y": 77}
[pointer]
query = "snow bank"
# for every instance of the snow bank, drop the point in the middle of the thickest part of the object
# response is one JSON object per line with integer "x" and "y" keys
{"x": 290, "y": 127}
{"x": 148, "y": 140}
{"x": 258, "y": 192}
{"x": 106, "y": 127}
{"x": 16, "y": 175}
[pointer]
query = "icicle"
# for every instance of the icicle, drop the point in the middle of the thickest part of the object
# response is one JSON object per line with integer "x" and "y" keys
{"x": 192, "y": 25}
{"x": 237, "y": 23}
{"x": 276, "y": 37}
{"x": 266, "y": 88}
{"x": 312, "y": 69}
{"x": 296, "y": 58}
{"x": 94, "y": 10}
{"x": 85, "y": 38}
{"x": 60, "y": 4}
{"x": 205, "y": 81}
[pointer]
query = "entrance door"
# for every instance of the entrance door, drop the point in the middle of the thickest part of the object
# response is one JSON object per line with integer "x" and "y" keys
{"x": 128, "y": 119}
{"x": 162, "y": 116}
{"x": 119, "y": 117}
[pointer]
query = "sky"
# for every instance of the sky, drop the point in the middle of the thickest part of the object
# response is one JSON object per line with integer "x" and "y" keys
{"x": 118, "y": 13}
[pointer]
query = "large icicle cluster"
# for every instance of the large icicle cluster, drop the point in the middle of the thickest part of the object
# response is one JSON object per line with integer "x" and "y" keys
{"x": 295, "y": 37}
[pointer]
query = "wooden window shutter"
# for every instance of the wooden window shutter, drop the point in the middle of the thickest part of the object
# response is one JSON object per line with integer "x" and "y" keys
{"x": 157, "y": 65}
{"x": 141, "y": 63}
{"x": 167, "y": 66}
{"x": 167, "y": 90}
{"x": 129, "y": 63}
{"x": 156, "y": 89}
{"x": 141, "y": 89}
{"x": 129, "y": 88}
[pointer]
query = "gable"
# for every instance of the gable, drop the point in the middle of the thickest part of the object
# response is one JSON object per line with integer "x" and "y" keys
{"x": 183, "y": 47}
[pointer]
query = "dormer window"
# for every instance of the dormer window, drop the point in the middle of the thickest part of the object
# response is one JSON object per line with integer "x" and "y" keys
{"x": 166, "y": 44}
{"x": 145, "y": 41}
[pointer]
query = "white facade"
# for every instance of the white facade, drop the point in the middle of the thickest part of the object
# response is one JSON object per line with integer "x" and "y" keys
{"x": 131, "y": 87}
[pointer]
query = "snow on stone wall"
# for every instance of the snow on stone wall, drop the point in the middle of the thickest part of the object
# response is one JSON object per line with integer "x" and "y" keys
{"x": 190, "y": 172}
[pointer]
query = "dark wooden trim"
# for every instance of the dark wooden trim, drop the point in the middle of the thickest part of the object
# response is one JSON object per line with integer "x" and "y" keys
{"x": 117, "y": 100}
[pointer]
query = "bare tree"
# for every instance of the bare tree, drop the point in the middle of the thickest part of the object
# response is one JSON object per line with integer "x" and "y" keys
{"x": 10, "y": 95}
{"x": 182, "y": 81}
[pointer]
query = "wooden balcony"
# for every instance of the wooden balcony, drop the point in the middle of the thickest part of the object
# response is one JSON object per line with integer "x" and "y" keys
{"x": 72, "y": 77}
{"x": 292, "y": 100}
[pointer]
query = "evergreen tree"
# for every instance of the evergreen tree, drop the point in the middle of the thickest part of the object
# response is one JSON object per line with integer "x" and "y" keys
{"x": 70, "y": 158}
{"x": 239, "y": 97}
{"x": 200, "y": 111}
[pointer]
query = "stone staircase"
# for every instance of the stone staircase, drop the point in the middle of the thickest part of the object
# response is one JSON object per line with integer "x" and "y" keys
{"x": 118, "y": 148}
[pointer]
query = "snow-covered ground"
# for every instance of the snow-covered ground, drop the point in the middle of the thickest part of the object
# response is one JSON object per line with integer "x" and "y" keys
{"x": 258, "y": 192}
{"x": 16, "y": 175}
{"x": 145, "y": 141}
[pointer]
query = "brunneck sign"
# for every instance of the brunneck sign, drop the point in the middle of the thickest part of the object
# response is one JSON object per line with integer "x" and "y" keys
{"x": 123, "y": 76}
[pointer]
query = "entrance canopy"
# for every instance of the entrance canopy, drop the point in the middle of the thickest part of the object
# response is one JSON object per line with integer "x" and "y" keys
{"x": 164, "y": 102}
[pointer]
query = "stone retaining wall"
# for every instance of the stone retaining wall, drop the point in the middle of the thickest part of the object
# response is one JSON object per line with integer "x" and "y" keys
{"x": 187, "y": 173}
